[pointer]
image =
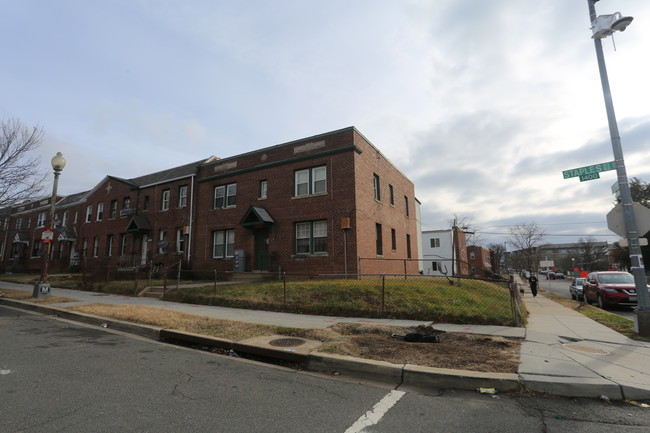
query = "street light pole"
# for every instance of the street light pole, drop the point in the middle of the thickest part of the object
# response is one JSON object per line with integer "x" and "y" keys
{"x": 636, "y": 258}
{"x": 42, "y": 288}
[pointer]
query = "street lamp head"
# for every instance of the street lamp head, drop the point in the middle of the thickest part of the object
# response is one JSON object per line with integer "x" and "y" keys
{"x": 606, "y": 25}
{"x": 58, "y": 162}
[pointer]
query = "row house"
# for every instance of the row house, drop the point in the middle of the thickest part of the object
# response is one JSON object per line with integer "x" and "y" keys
{"x": 331, "y": 203}
{"x": 444, "y": 252}
{"x": 479, "y": 261}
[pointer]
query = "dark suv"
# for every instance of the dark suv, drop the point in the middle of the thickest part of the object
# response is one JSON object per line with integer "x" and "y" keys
{"x": 609, "y": 288}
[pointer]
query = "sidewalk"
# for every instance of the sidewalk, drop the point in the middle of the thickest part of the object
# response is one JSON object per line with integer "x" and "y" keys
{"x": 567, "y": 353}
{"x": 564, "y": 352}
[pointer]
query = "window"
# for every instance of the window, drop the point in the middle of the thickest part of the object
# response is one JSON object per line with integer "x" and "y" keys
{"x": 378, "y": 240}
{"x": 263, "y": 188}
{"x": 472, "y": 255}
{"x": 84, "y": 250}
{"x": 96, "y": 247}
{"x": 109, "y": 246}
{"x": 65, "y": 219}
{"x": 225, "y": 196}
{"x": 100, "y": 211}
{"x": 19, "y": 223}
{"x": 76, "y": 217}
{"x": 89, "y": 213}
{"x": 162, "y": 242}
{"x": 223, "y": 244}
{"x": 406, "y": 206}
{"x": 435, "y": 242}
{"x": 391, "y": 195}
{"x": 145, "y": 203}
{"x": 311, "y": 237}
{"x": 122, "y": 244}
{"x": 435, "y": 266}
{"x": 408, "y": 246}
{"x": 182, "y": 196}
{"x": 126, "y": 203}
{"x": 180, "y": 240}
{"x": 40, "y": 222}
{"x": 164, "y": 201}
{"x": 375, "y": 179}
{"x": 393, "y": 239}
{"x": 112, "y": 210}
{"x": 311, "y": 181}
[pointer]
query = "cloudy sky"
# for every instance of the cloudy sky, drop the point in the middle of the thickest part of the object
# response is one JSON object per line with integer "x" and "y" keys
{"x": 482, "y": 104}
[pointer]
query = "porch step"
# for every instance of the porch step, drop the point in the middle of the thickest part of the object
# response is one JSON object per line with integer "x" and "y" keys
{"x": 152, "y": 292}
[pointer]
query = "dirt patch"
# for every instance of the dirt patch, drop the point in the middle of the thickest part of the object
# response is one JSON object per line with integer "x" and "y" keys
{"x": 455, "y": 350}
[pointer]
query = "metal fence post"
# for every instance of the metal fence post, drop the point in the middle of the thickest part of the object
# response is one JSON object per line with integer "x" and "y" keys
{"x": 284, "y": 290}
{"x": 215, "y": 281}
{"x": 383, "y": 295}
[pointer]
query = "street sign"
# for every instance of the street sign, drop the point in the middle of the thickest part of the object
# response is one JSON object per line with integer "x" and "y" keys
{"x": 624, "y": 243}
{"x": 47, "y": 235}
{"x": 589, "y": 172}
{"x": 616, "y": 220}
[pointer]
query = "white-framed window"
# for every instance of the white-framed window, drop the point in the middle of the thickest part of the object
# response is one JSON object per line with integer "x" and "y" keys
{"x": 109, "y": 246}
{"x": 76, "y": 217}
{"x": 89, "y": 213}
{"x": 145, "y": 203}
{"x": 40, "y": 222}
{"x": 84, "y": 249}
{"x": 311, "y": 237}
{"x": 472, "y": 255}
{"x": 225, "y": 196}
{"x": 223, "y": 244}
{"x": 112, "y": 211}
{"x": 435, "y": 242}
{"x": 29, "y": 223}
{"x": 435, "y": 266}
{"x": 64, "y": 222}
{"x": 263, "y": 188}
{"x": 162, "y": 242}
{"x": 311, "y": 181}
{"x": 376, "y": 186}
{"x": 182, "y": 196}
{"x": 19, "y": 223}
{"x": 164, "y": 201}
{"x": 96, "y": 247}
{"x": 180, "y": 240}
{"x": 122, "y": 244}
{"x": 100, "y": 211}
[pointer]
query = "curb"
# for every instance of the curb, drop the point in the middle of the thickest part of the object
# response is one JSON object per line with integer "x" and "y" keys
{"x": 408, "y": 375}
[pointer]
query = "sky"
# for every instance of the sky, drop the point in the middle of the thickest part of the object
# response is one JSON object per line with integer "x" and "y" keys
{"x": 482, "y": 104}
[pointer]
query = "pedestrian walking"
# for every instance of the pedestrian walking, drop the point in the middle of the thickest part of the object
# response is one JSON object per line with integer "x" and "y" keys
{"x": 532, "y": 280}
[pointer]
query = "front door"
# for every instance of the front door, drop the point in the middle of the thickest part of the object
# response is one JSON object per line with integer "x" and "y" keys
{"x": 145, "y": 247}
{"x": 261, "y": 250}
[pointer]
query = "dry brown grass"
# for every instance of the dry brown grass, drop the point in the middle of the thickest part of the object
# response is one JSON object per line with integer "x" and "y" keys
{"x": 21, "y": 295}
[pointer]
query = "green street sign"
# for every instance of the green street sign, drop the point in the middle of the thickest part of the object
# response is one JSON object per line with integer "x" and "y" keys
{"x": 589, "y": 172}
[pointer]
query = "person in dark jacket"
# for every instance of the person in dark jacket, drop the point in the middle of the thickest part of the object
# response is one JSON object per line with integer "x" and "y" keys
{"x": 532, "y": 280}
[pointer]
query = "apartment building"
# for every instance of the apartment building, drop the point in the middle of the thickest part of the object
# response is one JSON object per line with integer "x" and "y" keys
{"x": 330, "y": 203}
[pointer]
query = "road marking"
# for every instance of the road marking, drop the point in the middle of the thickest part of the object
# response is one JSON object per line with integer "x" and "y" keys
{"x": 373, "y": 416}
{"x": 5, "y": 371}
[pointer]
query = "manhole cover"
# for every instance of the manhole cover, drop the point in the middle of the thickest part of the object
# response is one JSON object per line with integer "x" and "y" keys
{"x": 287, "y": 342}
{"x": 586, "y": 349}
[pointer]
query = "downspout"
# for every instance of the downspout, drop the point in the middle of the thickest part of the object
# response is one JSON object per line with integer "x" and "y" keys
{"x": 191, "y": 222}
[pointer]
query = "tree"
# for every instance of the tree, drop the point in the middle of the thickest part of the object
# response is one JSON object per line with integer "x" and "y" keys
{"x": 525, "y": 238}
{"x": 640, "y": 191}
{"x": 498, "y": 256}
{"x": 21, "y": 175}
{"x": 589, "y": 254}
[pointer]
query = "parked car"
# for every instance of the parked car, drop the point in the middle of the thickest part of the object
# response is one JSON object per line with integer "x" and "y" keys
{"x": 610, "y": 288}
{"x": 550, "y": 275}
{"x": 576, "y": 289}
{"x": 559, "y": 276}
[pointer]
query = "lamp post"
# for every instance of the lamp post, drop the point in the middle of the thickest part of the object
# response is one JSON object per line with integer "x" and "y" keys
{"x": 602, "y": 27}
{"x": 42, "y": 288}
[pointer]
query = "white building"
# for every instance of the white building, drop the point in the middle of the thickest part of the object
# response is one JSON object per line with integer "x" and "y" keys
{"x": 437, "y": 252}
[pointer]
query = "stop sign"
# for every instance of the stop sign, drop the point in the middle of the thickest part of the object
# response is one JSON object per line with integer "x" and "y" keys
{"x": 616, "y": 219}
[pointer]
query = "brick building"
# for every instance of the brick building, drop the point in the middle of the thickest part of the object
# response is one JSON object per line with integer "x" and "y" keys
{"x": 479, "y": 260}
{"x": 330, "y": 203}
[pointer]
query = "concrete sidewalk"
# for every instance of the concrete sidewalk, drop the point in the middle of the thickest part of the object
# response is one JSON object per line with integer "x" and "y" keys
{"x": 564, "y": 352}
{"x": 567, "y": 353}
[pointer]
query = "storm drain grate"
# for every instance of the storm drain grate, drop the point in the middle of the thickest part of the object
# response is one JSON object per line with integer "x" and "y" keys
{"x": 287, "y": 342}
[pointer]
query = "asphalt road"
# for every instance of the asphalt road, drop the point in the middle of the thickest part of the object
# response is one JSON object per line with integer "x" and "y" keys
{"x": 561, "y": 287}
{"x": 58, "y": 376}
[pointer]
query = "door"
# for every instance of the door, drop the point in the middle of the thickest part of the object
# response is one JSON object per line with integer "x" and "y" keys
{"x": 262, "y": 250}
{"x": 145, "y": 249}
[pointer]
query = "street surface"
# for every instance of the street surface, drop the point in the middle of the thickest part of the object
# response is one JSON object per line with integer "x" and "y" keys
{"x": 561, "y": 288}
{"x": 59, "y": 376}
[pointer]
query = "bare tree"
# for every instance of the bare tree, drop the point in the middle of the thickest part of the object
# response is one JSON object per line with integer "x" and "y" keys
{"x": 525, "y": 238}
{"x": 466, "y": 225}
{"x": 21, "y": 175}
{"x": 498, "y": 256}
{"x": 590, "y": 254}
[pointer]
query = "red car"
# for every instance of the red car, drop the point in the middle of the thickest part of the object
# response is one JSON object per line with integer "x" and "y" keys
{"x": 610, "y": 288}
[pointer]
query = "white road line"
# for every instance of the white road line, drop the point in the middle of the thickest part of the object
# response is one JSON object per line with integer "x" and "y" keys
{"x": 373, "y": 416}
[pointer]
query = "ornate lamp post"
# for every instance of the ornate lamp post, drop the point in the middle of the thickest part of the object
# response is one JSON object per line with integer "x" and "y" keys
{"x": 42, "y": 288}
